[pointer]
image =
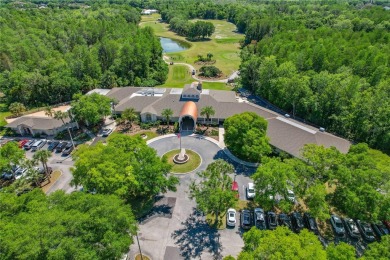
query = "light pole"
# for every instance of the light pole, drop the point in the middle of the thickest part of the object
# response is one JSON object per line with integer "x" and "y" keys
{"x": 139, "y": 247}
{"x": 71, "y": 139}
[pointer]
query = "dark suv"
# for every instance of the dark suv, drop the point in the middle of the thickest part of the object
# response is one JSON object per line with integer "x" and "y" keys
{"x": 351, "y": 228}
{"x": 297, "y": 221}
{"x": 246, "y": 222}
{"x": 310, "y": 223}
{"x": 284, "y": 220}
{"x": 61, "y": 146}
{"x": 366, "y": 231}
{"x": 259, "y": 218}
{"x": 337, "y": 225}
{"x": 271, "y": 220}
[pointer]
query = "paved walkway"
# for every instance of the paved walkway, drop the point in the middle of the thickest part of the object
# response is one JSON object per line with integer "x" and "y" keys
{"x": 232, "y": 76}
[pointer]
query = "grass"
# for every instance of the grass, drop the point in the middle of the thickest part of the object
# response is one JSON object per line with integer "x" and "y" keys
{"x": 210, "y": 219}
{"x": 3, "y": 114}
{"x": 53, "y": 178}
{"x": 144, "y": 257}
{"x": 224, "y": 44}
{"x": 179, "y": 75}
{"x": 149, "y": 135}
{"x": 189, "y": 166}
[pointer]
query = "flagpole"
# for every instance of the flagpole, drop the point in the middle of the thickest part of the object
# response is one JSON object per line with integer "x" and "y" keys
{"x": 180, "y": 135}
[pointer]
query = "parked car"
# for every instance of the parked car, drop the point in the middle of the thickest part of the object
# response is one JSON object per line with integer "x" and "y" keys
{"x": 297, "y": 222}
{"x": 106, "y": 132}
{"x": 68, "y": 149}
{"x": 259, "y": 219}
{"x": 246, "y": 222}
{"x": 20, "y": 173}
{"x": 366, "y": 231}
{"x": 61, "y": 146}
{"x": 310, "y": 223}
{"x": 193, "y": 72}
{"x": 7, "y": 175}
{"x": 52, "y": 145}
{"x": 22, "y": 143}
{"x": 235, "y": 189}
{"x": 38, "y": 145}
{"x": 284, "y": 220}
{"x": 27, "y": 146}
{"x": 351, "y": 228}
{"x": 250, "y": 191}
{"x": 271, "y": 220}
{"x": 337, "y": 225}
{"x": 380, "y": 230}
{"x": 291, "y": 196}
{"x": 231, "y": 217}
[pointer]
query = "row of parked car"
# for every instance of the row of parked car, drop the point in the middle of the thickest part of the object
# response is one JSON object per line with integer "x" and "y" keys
{"x": 59, "y": 147}
{"x": 296, "y": 222}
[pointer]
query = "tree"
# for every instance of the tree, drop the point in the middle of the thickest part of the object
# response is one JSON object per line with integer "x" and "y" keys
{"x": 126, "y": 167}
{"x": 129, "y": 115}
{"x": 209, "y": 56}
{"x": 43, "y": 156}
{"x": 17, "y": 109}
{"x": 167, "y": 113}
{"x": 281, "y": 243}
{"x": 10, "y": 154}
{"x": 378, "y": 250}
{"x": 272, "y": 179}
{"x": 49, "y": 111}
{"x": 213, "y": 193}
{"x": 210, "y": 71}
{"x": 60, "y": 115}
{"x": 36, "y": 226}
{"x": 245, "y": 136}
{"x": 207, "y": 111}
{"x": 91, "y": 108}
{"x": 342, "y": 251}
{"x": 315, "y": 200}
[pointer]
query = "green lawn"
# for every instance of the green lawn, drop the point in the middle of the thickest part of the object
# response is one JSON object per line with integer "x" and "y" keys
{"x": 224, "y": 44}
{"x": 3, "y": 114}
{"x": 179, "y": 75}
{"x": 149, "y": 135}
{"x": 189, "y": 166}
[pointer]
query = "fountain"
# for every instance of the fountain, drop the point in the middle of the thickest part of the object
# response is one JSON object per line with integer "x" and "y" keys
{"x": 181, "y": 157}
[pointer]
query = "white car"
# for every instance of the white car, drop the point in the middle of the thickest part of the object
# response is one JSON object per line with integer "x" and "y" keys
{"x": 250, "y": 191}
{"x": 106, "y": 132}
{"x": 291, "y": 196}
{"x": 231, "y": 217}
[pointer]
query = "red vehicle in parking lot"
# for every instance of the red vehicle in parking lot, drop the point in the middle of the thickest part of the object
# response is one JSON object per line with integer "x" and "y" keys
{"x": 22, "y": 143}
{"x": 235, "y": 189}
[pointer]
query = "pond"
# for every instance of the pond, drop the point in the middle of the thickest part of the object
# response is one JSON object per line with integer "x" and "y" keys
{"x": 171, "y": 45}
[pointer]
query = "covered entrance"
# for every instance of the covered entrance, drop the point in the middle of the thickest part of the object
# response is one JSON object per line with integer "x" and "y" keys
{"x": 188, "y": 116}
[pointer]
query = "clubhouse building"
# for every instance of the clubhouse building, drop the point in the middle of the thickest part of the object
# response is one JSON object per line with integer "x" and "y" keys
{"x": 285, "y": 134}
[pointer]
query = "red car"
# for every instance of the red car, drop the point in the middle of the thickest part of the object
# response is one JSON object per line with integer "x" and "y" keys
{"x": 22, "y": 142}
{"x": 235, "y": 189}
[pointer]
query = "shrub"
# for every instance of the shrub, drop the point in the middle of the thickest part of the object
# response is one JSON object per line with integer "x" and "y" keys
{"x": 145, "y": 126}
{"x": 209, "y": 71}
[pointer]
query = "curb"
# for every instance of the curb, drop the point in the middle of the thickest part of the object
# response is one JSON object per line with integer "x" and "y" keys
{"x": 224, "y": 149}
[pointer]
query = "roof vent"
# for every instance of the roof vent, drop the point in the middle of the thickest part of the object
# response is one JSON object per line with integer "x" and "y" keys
{"x": 199, "y": 87}
{"x": 287, "y": 115}
{"x": 322, "y": 129}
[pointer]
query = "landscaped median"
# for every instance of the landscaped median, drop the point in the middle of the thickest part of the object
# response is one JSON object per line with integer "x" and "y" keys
{"x": 193, "y": 163}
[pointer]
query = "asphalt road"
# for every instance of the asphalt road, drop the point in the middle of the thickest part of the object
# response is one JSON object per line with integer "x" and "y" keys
{"x": 176, "y": 230}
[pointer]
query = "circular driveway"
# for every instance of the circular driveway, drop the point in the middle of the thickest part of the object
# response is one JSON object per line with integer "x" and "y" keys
{"x": 207, "y": 150}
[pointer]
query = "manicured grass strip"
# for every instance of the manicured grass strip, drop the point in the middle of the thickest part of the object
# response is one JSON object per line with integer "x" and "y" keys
{"x": 55, "y": 175}
{"x": 149, "y": 135}
{"x": 210, "y": 219}
{"x": 189, "y": 166}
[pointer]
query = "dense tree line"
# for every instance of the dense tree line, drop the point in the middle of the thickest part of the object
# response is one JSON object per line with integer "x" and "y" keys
{"x": 194, "y": 31}
{"x": 356, "y": 183}
{"x": 47, "y": 55}
{"x": 64, "y": 226}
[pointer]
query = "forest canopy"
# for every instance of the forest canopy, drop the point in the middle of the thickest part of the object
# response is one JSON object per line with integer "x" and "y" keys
{"x": 47, "y": 55}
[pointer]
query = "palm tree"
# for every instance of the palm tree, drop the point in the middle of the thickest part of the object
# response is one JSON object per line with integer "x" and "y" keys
{"x": 59, "y": 115}
{"x": 209, "y": 56}
{"x": 207, "y": 111}
{"x": 32, "y": 173}
{"x": 129, "y": 115}
{"x": 167, "y": 113}
{"x": 43, "y": 156}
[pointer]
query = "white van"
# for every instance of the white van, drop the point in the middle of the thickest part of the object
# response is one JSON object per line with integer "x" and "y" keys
{"x": 38, "y": 145}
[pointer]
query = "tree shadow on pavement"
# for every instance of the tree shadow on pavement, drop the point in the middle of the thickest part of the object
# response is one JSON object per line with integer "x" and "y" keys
{"x": 239, "y": 168}
{"x": 197, "y": 236}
